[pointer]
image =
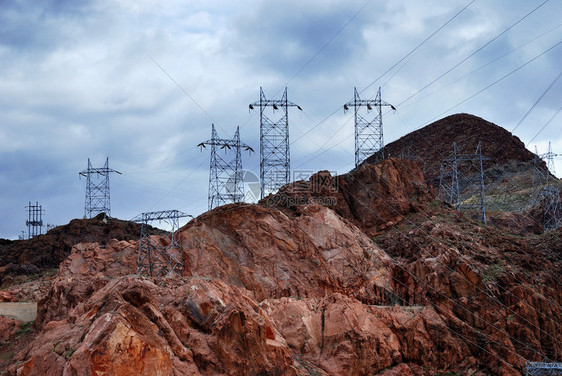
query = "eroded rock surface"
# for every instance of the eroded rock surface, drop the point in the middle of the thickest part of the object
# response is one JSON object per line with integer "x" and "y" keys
{"x": 382, "y": 279}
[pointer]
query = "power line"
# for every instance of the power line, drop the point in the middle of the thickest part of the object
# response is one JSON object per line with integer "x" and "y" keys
{"x": 475, "y": 52}
{"x": 520, "y": 282}
{"x": 545, "y": 125}
{"x": 185, "y": 92}
{"x": 496, "y": 81}
{"x": 329, "y": 41}
{"x": 537, "y": 101}
{"x": 398, "y": 264}
{"x": 389, "y": 69}
{"x": 367, "y": 188}
{"x": 481, "y": 67}
{"x": 418, "y": 46}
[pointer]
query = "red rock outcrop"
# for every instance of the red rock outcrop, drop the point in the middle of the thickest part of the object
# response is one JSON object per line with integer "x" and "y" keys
{"x": 274, "y": 255}
{"x": 373, "y": 197}
{"x": 342, "y": 336}
{"x": 7, "y": 296}
{"x": 517, "y": 223}
{"x": 489, "y": 287}
{"x": 95, "y": 323}
{"x": 8, "y": 328}
{"x": 356, "y": 275}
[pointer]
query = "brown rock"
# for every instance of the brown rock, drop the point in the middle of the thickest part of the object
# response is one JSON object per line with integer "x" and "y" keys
{"x": 516, "y": 223}
{"x": 383, "y": 280}
{"x": 373, "y": 197}
{"x": 434, "y": 142}
{"x": 399, "y": 370}
{"x": 47, "y": 251}
{"x": 345, "y": 337}
{"x": 120, "y": 329}
{"x": 8, "y": 328}
{"x": 7, "y": 296}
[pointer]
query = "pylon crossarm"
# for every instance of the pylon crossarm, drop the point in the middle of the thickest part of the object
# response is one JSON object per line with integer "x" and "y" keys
{"x": 273, "y": 102}
{"x": 159, "y": 215}
{"x": 222, "y": 144}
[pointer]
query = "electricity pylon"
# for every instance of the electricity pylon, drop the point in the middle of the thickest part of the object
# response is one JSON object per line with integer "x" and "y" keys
{"x": 368, "y": 133}
{"x": 547, "y": 192}
{"x": 157, "y": 259}
{"x": 35, "y": 220}
{"x": 466, "y": 191}
{"x": 225, "y": 175}
{"x": 275, "y": 159}
{"x": 97, "y": 190}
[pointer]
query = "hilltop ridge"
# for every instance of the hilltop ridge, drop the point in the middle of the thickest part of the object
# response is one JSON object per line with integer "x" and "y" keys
{"x": 431, "y": 144}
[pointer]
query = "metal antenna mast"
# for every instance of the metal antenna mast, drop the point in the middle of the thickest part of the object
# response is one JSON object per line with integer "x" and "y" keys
{"x": 368, "y": 133}
{"x": 35, "y": 219}
{"x": 275, "y": 160}
{"x": 157, "y": 259}
{"x": 97, "y": 190}
{"x": 467, "y": 190}
{"x": 225, "y": 176}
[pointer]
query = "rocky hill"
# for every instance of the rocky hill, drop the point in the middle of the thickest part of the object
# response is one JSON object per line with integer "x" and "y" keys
{"x": 430, "y": 145}
{"x": 366, "y": 273}
{"x": 47, "y": 251}
{"x": 512, "y": 174}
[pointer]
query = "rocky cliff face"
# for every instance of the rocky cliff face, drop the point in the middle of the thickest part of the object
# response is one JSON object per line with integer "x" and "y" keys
{"x": 373, "y": 197}
{"x": 361, "y": 274}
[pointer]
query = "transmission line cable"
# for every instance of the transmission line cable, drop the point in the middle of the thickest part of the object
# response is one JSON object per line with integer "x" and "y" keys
{"x": 537, "y": 101}
{"x": 418, "y": 46}
{"x": 480, "y": 67}
{"x": 496, "y": 81}
{"x": 327, "y": 43}
{"x": 545, "y": 125}
{"x": 475, "y": 52}
{"x": 389, "y": 69}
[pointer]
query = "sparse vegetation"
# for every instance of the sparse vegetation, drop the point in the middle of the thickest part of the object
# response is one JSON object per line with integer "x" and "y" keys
{"x": 24, "y": 328}
{"x": 492, "y": 273}
{"x": 68, "y": 353}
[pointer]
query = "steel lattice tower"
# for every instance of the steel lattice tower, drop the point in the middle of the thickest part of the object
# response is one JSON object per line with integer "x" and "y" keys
{"x": 225, "y": 176}
{"x": 97, "y": 190}
{"x": 155, "y": 258}
{"x": 547, "y": 193}
{"x": 543, "y": 368}
{"x": 466, "y": 191}
{"x": 35, "y": 220}
{"x": 368, "y": 133}
{"x": 275, "y": 159}
{"x": 549, "y": 156}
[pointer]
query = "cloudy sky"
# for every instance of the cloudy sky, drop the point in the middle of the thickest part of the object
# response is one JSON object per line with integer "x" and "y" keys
{"x": 141, "y": 82}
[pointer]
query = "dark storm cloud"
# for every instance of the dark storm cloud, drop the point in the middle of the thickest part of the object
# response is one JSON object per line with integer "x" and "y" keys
{"x": 35, "y": 27}
{"x": 284, "y": 36}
